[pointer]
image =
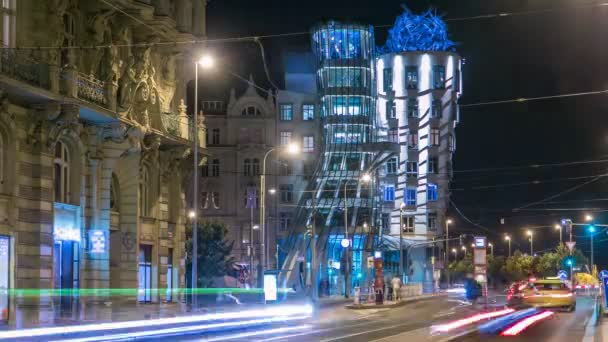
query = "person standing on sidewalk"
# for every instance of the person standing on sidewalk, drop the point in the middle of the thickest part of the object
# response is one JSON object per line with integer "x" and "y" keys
{"x": 396, "y": 283}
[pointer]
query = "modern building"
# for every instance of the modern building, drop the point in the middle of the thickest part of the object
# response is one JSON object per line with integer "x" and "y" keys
{"x": 93, "y": 155}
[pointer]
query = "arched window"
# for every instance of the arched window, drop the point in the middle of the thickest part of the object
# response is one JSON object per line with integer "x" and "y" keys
{"x": 256, "y": 167}
{"x": 144, "y": 194}
{"x": 247, "y": 167}
{"x": 62, "y": 173}
{"x": 114, "y": 194}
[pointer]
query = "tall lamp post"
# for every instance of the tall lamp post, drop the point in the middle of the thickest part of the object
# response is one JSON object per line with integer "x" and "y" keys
{"x": 531, "y": 235}
{"x": 206, "y": 62}
{"x": 508, "y": 239}
{"x": 401, "y": 207}
{"x": 491, "y": 249}
{"x": 291, "y": 149}
{"x": 447, "y": 250}
{"x": 346, "y": 242}
{"x": 591, "y": 234}
{"x": 455, "y": 251}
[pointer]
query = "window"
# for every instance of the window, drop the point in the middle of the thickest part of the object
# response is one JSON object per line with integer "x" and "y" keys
{"x": 389, "y": 192}
{"x": 411, "y": 78}
{"x": 411, "y": 169}
{"x": 215, "y": 168}
{"x": 433, "y": 166}
{"x": 62, "y": 173}
{"x": 412, "y": 107}
{"x": 435, "y": 136}
{"x": 393, "y": 135}
{"x": 412, "y": 140}
{"x": 205, "y": 170}
{"x": 391, "y": 166}
{"x": 286, "y": 191}
{"x": 432, "y": 222}
{"x": 438, "y": 77}
{"x": 308, "y": 112}
{"x": 114, "y": 194}
{"x": 204, "y": 199}
{"x": 388, "y": 80}
{"x": 247, "y": 167}
{"x": 285, "y": 168}
{"x": 436, "y": 109}
{"x": 286, "y": 110}
{"x": 410, "y": 197}
{"x": 308, "y": 168}
{"x": 285, "y": 137}
{"x": 251, "y": 198}
{"x": 408, "y": 223}
{"x": 431, "y": 192}
{"x": 284, "y": 221}
{"x": 215, "y": 136}
{"x": 255, "y": 167}
{"x": 216, "y": 199}
{"x": 144, "y": 195}
{"x": 8, "y": 23}
{"x": 386, "y": 223}
{"x": 451, "y": 143}
{"x": 251, "y": 110}
{"x": 391, "y": 110}
{"x": 308, "y": 143}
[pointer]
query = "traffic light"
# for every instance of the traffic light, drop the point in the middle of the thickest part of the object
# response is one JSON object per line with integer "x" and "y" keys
{"x": 591, "y": 228}
{"x": 569, "y": 261}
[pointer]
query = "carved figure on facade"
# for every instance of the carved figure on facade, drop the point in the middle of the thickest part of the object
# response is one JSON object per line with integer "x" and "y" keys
{"x": 64, "y": 122}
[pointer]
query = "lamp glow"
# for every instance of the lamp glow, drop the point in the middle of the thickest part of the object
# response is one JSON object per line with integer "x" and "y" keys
{"x": 588, "y": 218}
{"x": 191, "y": 214}
{"x": 206, "y": 61}
{"x": 366, "y": 177}
{"x": 293, "y": 148}
{"x": 272, "y": 191}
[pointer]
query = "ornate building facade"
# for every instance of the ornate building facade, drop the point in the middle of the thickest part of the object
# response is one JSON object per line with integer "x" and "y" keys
{"x": 94, "y": 148}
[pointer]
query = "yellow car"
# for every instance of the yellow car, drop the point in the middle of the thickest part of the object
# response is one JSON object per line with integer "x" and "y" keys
{"x": 549, "y": 293}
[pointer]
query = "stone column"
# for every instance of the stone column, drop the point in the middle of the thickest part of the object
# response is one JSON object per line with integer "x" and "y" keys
{"x": 183, "y": 15}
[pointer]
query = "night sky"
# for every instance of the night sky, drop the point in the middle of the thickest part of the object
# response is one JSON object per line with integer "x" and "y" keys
{"x": 508, "y": 57}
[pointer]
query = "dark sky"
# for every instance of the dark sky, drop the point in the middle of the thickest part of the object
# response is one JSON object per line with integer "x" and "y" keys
{"x": 508, "y": 57}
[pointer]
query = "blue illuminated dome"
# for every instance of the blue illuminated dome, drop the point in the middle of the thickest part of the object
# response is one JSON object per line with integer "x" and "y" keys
{"x": 418, "y": 32}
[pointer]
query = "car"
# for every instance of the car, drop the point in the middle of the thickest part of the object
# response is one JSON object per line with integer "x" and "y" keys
{"x": 545, "y": 293}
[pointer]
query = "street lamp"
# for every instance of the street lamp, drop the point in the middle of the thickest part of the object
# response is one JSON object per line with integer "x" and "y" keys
{"x": 559, "y": 227}
{"x": 491, "y": 248}
{"x": 206, "y": 62}
{"x": 447, "y": 248}
{"x": 588, "y": 218}
{"x": 591, "y": 233}
{"x": 455, "y": 251}
{"x": 364, "y": 178}
{"x": 191, "y": 214}
{"x": 508, "y": 239}
{"x": 531, "y": 235}
{"x": 291, "y": 149}
{"x": 272, "y": 191}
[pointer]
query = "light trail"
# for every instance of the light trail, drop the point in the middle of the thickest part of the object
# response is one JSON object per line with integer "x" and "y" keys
{"x": 470, "y": 320}
{"x": 279, "y": 311}
{"x": 525, "y": 323}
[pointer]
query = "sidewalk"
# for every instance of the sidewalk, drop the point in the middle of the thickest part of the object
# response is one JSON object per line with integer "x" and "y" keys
{"x": 394, "y": 304}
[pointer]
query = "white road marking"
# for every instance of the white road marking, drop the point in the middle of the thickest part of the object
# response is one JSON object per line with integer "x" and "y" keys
{"x": 364, "y": 332}
{"x": 399, "y": 336}
{"x": 312, "y": 332}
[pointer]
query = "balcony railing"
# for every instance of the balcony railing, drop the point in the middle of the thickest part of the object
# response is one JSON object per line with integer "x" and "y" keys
{"x": 91, "y": 89}
{"x": 23, "y": 66}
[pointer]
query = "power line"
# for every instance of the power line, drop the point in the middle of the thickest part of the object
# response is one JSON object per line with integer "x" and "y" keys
{"x": 556, "y": 180}
{"x": 523, "y": 99}
{"x": 533, "y": 166}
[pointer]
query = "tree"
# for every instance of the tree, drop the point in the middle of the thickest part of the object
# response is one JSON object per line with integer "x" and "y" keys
{"x": 214, "y": 253}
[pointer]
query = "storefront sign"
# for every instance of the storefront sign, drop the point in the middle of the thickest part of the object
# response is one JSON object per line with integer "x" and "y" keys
{"x": 66, "y": 234}
{"x": 97, "y": 241}
{"x": 270, "y": 287}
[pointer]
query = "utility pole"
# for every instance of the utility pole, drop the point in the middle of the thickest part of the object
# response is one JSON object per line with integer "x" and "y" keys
{"x": 346, "y": 248}
{"x": 447, "y": 250}
{"x": 313, "y": 252}
{"x": 401, "y": 242}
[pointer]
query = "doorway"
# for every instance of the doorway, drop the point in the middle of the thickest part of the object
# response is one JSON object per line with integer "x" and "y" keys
{"x": 5, "y": 276}
{"x": 66, "y": 263}
{"x": 145, "y": 274}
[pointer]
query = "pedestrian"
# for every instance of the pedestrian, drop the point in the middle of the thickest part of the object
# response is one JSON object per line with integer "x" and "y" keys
{"x": 396, "y": 283}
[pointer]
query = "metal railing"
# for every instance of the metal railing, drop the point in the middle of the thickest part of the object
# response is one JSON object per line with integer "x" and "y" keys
{"x": 22, "y": 65}
{"x": 91, "y": 89}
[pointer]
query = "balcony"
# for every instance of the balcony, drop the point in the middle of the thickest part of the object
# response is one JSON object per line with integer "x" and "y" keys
{"x": 22, "y": 65}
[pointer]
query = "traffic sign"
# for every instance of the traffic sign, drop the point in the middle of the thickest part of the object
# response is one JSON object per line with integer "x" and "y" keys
{"x": 563, "y": 275}
{"x": 570, "y": 244}
{"x": 603, "y": 274}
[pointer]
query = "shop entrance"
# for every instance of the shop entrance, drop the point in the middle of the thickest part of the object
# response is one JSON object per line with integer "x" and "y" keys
{"x": 5, "y": 276}
{"x": 66, "y": 276}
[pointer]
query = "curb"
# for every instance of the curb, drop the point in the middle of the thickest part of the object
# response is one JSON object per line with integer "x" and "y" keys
{"x": 389, "y": 306}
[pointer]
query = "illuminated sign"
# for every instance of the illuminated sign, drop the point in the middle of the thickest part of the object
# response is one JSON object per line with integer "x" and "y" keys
{"x": 270, "y": 287}
{"x": 480, "y": 242}
{"x": 377, "y": 254}
{"x": 66, "y": 234}
{"x": 97, "y": 241}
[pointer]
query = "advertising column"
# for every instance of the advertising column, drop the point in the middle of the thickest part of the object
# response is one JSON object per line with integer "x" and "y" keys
{"x": 480, "y": 263}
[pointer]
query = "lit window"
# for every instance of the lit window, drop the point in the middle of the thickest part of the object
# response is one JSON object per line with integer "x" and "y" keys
{"x": 431, "y": 192}
{"x": 389, "y": 192}
{"x": 432, "y": 221}
{"x": 286, "y": 111}
{"x": 8, "y": 22}
{"x": 391, "y": 166}
{"x": 412, "y": 140}
{"x": 439, "y": 77}
{"x": 308, "y": 112}
{"x": 62, "y": 173}
{"x": 411, "y": 169}
{"x": 284, "y": 221}
{"x": 433, "y": 166}
{"x": 216, "y": 199}
{"x": 255, "y": 167}
{"x": 215, "y": 138}
{"x": 391, "y": 110}
{"x": 247, "y": 167}
{"x": 436, "y": 109}
{"x": 408, "y": 224}
{"x": 285, "y": 137}
{"x": 388, "y": 80}
{"x": 451, "y": 143}
{"x": 412, "y": 107}
{"x": 393, "y": 135}
{"x": 435, "y": 136}
{"x": 410, "y": 197}
{"x": 411, "y": 77}
{"x": 286, "y": 192}
{"x": 215, "y": 168}
{"x": 308, "y": 143}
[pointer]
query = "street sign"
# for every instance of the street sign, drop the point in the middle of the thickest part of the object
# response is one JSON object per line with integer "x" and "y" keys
{"x": 603, "y": 274}
{"x": 300, "y": 258}
{"x": 480, "y": 242}
{"x": 570, "y": 245}
{"x": 577, "y": 268}
{"x": 562, "y": 275}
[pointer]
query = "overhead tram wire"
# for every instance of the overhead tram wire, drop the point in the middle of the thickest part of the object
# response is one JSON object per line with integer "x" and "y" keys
{"x": 530, "y": 99}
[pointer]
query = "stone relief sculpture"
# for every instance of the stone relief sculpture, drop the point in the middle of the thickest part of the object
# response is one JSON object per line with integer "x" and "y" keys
{"x": 126, "y": 87}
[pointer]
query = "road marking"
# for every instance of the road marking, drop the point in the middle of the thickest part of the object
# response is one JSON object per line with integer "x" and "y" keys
{"x": 402, "y": 334}
{"x": 364, "y": 332}
{"x": 457, "y": 336}
{"x": 278, "y": 338}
